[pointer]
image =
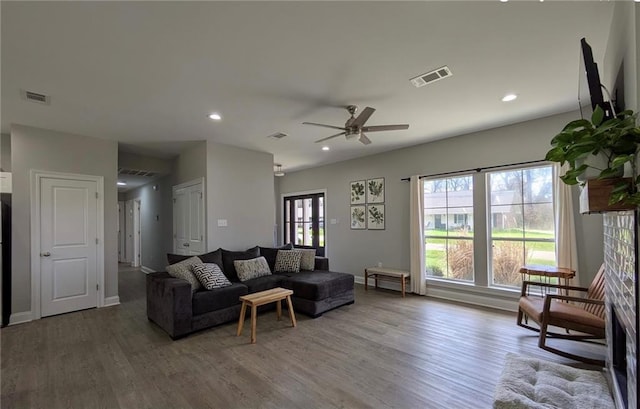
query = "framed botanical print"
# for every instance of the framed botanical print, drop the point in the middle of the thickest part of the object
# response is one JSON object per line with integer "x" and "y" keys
{"x": 358, "y": 217}
{"x": 375, "y": 217}
{"x": 358, "y": 194}
{"x": 375, "y": 190}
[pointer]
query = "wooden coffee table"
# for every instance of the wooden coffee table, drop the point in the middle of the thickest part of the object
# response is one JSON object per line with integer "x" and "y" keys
{"x": 261, "y": 298}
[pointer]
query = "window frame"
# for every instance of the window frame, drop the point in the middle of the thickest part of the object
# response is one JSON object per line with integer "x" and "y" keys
{"x": 289, "y": 236}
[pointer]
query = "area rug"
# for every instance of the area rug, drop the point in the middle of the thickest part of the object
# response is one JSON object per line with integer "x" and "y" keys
{"x": 532, "y": 383}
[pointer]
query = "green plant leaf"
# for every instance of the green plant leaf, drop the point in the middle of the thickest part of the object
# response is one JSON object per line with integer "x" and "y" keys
{"x": 609, "y": 173}
{"x": 597, "y": 116}
{"x": 621, "y": 160}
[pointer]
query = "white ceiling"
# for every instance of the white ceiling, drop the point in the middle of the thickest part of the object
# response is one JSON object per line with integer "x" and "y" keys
{"x": 145, "y": 73}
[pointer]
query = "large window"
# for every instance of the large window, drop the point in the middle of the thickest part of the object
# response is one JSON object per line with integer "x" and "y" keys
{"x": 522, "y": 222}
{"x": 513, "y": 225}
{"x": 448, "y": 219}
{"x": 304, "y": 221}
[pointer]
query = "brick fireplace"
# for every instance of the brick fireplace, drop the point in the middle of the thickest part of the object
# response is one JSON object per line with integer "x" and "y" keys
{"x": 621, "y": 272}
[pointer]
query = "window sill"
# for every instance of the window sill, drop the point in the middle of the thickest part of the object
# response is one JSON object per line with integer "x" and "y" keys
{"x": 509, "y": 293}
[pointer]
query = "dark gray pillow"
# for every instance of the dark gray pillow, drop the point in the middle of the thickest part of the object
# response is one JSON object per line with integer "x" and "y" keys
{"x": 228, "y": 257}
{"x": 211, "y": 257}
{"x": 270, "y": 253}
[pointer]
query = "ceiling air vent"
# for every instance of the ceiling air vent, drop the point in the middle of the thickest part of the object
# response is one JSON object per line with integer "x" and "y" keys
{"x": 136, "y": 172}
{"x": 277, "y": 135}
{"x": 36, "y": 97}
{"x": 431, "y": 76}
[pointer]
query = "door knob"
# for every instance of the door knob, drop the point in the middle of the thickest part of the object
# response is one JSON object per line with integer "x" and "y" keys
{"x": 186, "y": 244}
{"x": 47, "y": 254}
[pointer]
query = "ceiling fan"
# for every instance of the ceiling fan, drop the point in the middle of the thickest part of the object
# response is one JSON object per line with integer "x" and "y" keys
{"x": 354, "y": 127}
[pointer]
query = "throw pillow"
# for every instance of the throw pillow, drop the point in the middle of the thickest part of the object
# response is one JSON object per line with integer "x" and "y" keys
{"x": 270, "y": 253}
{"x": 228, "y": 257}
{"x": 210, "y": 275}
{"x": 288, "y": 261}
{"x": 211, "y": 257}
{"x": 308, "y": 259}
{"x": 183, "y": 270}
{"x": 253, "y": 268}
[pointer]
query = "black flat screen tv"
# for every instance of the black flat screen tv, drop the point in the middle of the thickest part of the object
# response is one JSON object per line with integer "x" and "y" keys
{"x": 589, "y": 86}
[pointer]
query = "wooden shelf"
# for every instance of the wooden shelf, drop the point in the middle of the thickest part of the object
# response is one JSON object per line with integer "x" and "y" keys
{"x": 594, "y": 197}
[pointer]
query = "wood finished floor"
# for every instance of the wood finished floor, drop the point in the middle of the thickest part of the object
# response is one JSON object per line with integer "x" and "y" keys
{"x": 381, "y": 352}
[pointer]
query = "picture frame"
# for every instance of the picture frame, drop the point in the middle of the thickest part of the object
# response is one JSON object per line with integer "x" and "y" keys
{"x": 358, "y": 192}
{"x": 358, "y": 217}
{"x": 375, "y": 217}
{"x": 375, "y": 190}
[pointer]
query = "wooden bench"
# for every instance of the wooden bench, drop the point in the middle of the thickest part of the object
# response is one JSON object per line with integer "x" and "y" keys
{"x": 261, "y": 298}
{"x": 386, "y": 274}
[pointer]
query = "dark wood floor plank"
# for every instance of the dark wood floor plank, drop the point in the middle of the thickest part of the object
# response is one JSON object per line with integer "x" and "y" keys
{"x": 382, "y": 352}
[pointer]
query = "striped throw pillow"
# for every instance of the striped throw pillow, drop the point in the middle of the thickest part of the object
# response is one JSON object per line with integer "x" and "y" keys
{"x": 210, "y": 276}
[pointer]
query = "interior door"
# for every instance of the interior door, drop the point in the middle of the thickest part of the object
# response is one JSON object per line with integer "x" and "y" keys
{"x": 121, "y": 225}
{"x": 128, "y": 232}
{"x": 69, "y": 245}
{"x": 188, "y": 219}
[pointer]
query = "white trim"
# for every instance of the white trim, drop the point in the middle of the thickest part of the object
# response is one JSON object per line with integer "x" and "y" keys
{"x": 111, "y": 301}
{"x": 484, "y": 297}
{"x": 35, "y": 179}
{"x": 326, "y": 218}
{"x": 20, "y": 318}
{"x": 147, "y": 270}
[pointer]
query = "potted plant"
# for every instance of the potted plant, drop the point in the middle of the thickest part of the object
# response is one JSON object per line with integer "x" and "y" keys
{"x": 600, "y": 146}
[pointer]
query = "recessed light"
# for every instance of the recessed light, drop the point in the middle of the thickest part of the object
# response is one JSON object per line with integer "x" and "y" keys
{"x": 503, "y": 1}
{"x": 121, "y": 183}
{"x": 325, "y": 148}
{"x": 509, "y": 97}
{"x": 215, "y": 116}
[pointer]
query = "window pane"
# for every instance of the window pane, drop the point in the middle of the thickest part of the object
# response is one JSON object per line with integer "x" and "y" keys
{"x": 522, "y": 225}
{"x": 448, "y": 223}
{"x": 321, "y": 238}
{"x": 299, "y": 213}
{"x": 507, "y": 258}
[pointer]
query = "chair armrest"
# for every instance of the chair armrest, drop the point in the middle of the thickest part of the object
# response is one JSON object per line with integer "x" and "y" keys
{"x": 526, "y": 284}
{"x": 169, "y": 303}
{"x": 575, "y": 299}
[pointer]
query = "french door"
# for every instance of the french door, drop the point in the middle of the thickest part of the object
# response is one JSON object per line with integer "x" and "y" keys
{"x": 304, "y": 223}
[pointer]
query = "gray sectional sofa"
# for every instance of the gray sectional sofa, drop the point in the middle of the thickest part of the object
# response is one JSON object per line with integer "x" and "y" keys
{"x": 172, "y": 305}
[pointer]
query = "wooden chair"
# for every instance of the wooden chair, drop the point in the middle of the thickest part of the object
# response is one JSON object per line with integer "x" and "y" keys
{"x": 585, "y": 315}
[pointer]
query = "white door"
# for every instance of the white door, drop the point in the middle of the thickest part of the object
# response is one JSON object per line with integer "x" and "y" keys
{"x": 121, "y": 225}
{"x": 128, "y": 232}
{"x": 68, "y": 245}
{"x": 137, "y": 249}
{"x": 188, "y": 219}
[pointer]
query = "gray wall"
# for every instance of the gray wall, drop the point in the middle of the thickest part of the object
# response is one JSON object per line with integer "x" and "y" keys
{"x": 40, "y": 149}
{"x": 353, "y": 250}
{"x": 621, "y": 53}
{"x": 239, "y": 189}
{"x": 134, "y": 161}
{"x": 156, "y": 221}
{"x": 191, "y": 164}
{"x": 5, "y": 152}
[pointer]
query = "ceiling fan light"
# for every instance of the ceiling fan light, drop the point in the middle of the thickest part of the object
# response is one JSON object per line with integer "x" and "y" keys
{"x": 278, "y": 172}
{"x": 325, "y": 148}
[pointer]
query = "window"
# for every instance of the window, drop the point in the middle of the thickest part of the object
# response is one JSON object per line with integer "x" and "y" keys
{"x": 516, "y": 218}
{"x": 448, "y": 216}
{"x": 522, "y": 229}
{"x": 304, "y": 221}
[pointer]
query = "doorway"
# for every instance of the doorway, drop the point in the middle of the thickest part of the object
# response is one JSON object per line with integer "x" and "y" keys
{"x": 188, "y": 218}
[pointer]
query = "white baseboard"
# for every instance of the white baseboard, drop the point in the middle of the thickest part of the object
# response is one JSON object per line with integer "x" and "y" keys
{"x": 147, "y": 270}
{"x": 467, "y": 297}
{"x": 111, "y": 301}
{"x": 20, "y": 317}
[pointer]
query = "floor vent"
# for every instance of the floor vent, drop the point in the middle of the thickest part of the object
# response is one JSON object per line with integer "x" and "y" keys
{"x": 36, "y": 97}
{"x": 431, "y": 76}
{"x": 136, "y": 172}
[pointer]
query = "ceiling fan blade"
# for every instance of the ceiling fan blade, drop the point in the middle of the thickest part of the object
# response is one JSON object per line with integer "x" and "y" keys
{"x": 330, "y": 137}
{"x": 363, "y": 138}
{"x": 377, "y": 128}
{"x": 363, "y": 117}
{"x": 323, "y": 125}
